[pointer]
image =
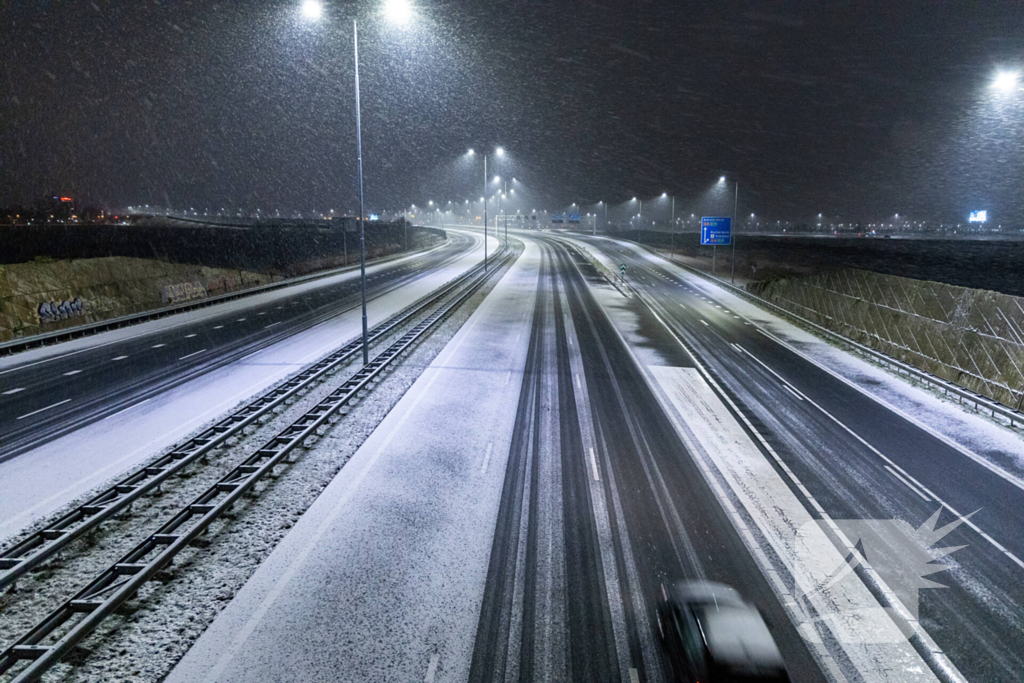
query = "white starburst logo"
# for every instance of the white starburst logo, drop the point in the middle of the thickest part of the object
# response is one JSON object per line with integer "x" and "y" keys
{"x": 901, "y": 557}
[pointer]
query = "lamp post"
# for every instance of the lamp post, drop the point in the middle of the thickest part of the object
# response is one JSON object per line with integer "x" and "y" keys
{"x": 398, "y": 11}
{"x": 499, "y": 152}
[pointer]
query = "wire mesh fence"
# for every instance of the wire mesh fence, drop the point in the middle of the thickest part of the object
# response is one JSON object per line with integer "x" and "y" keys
{"x": 972, "y": 337}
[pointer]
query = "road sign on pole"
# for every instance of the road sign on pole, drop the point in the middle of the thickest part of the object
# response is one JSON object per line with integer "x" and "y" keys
{"x": 622, "y": 269}
{"x": 715, "y": 230}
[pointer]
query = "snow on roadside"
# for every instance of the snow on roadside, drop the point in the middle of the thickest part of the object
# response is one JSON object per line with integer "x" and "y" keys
{"x": 146, "y": 639}
{"x": 198, "y": 314}
{"x": 987, "y": 440}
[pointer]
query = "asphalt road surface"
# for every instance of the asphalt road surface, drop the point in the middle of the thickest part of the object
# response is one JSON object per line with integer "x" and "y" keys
{"x": 853, "y": 455}
{"x": 42, "y": 399}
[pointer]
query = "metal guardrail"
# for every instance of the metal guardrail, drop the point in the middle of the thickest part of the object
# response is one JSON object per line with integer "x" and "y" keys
{"x": 28, "y": 554}
{"x": 57, "y": 336}
{"x": 120, "y": 581}
{"x": 995, "y": 408}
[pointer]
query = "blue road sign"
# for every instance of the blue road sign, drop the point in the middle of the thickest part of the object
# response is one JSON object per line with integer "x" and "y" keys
{"x": 574, "y": 218}
{"x": 715, "y": 230}
{"x": 557, "y": 218}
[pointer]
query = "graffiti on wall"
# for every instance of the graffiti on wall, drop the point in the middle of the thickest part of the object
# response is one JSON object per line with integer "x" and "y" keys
{"x": 51, "y": 311}
{"x": 181, "y": 292}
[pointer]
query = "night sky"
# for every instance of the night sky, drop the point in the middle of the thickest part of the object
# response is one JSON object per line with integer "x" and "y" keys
{"x": 857, "y": 110}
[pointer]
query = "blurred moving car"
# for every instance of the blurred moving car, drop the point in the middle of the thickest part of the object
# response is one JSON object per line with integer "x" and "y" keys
{"x": 711, "y": 634}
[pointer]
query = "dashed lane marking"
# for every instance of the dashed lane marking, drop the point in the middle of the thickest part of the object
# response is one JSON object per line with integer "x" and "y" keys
{"x": 487, "y": 457}
{"x": 126, "y": 409}
{"x": 196, "y": 353}
{"x": 36, "y": 412}
{"x": 119, "y": 358}
{"x": 72, "y": 372}
{"x": 13, "y": 391}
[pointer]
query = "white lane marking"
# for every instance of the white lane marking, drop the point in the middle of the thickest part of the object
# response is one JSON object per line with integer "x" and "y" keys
{"x": 705, "y": 322}
{"x": 72, "y": 372}
{"x": 13, "y": 391}
{"x": 272, "y": 324}
{"x": 508, "y": 377}
{"x": 431, "y": 669}
{"x": 909, "y": 418}
{"x": 737, "y": 317}
{"x": 578, "y": 382}
{"x": 965, "y": 519}
{"x": 126, "y": 409}
{"x": 280, "y": 307}
{"x": 157, "y": 346}
{"x": 218, "y": 327}
{"x": 789, "y": 387}
{"x": 634, "y": 677}
{"x": 570, "y": 342}
{"x": 487, "y": 457}
{"x": 682, "y": 306}
{"x": 242, "y": 634}
{"x": 189, "y": 336}
{"x": 119, "y": 358}
{"x": 240, "y": 320}
{"x": 795, "y": 615}
{"x": 196, "y": 353}
{"x": 262, "y": 313}
{"x": 36, "y": 412}
{"x": 593, "y": 464}
{"x": 907, "y": 483}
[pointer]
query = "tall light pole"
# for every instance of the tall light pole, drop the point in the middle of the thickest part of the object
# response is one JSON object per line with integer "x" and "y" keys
{"x": 398, "y": 11}
{"x": 500, "y": 151}
{"x": 735, "y": 205}
{"x": 362, "y": 222}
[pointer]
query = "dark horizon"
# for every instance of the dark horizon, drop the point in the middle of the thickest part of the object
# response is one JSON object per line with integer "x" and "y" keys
{"x": 852, "y": 111}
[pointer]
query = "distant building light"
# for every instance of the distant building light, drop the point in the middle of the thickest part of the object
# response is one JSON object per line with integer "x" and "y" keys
{"x": 65, "y": 199}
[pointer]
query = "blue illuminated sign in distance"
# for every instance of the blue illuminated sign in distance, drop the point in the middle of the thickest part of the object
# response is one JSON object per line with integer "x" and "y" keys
{"x": 978, "y": 217}
{"x": 715, "y": 230}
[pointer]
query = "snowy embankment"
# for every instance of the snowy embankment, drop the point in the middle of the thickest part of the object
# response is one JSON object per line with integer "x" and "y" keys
{"x": 42, "y": 481}
{"x": 147, "y": 637}
{"x": 976, "y": 436}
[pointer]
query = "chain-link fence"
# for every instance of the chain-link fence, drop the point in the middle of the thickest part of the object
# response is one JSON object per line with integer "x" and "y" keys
{"x": 972, "y": 337}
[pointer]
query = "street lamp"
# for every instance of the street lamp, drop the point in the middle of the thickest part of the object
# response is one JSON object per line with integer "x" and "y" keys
{"x": 1005, "y": 81}
{"x": 397, "y": 11}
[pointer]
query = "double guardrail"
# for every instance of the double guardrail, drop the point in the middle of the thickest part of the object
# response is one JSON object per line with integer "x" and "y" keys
{"x": 91, "y": 605}
{"x": 57, "y": 336}
{"x": 1014, "y": 418}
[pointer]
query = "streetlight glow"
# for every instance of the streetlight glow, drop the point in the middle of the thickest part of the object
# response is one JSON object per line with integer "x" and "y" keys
{"x": 500, "y": 151}
{"x": 471, "y": 152}
{"x": 311, "y": 9}
{"x": 1005, "y": 81}
{"x": 398, "y": 11}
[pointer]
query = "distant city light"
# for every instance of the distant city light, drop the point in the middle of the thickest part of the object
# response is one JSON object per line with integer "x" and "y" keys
{"x": 311, "y": 9}
{"x": 978, "y": 217}
{"x": 1005, "y": 81}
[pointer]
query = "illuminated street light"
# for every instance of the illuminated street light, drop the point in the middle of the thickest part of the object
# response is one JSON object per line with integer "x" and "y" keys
{"x": 311, "y": 9}
{"x": 1005, "y": 81}
{"x": 398, "y": 11}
